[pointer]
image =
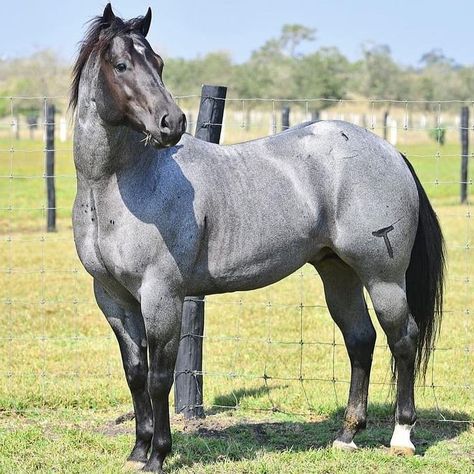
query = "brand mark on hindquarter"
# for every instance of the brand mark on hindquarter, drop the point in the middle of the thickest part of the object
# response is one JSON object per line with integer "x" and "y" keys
{"x": 384, "y": 233}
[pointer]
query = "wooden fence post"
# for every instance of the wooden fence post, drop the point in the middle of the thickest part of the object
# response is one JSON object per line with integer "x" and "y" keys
{"x": 285, "y": 118}
{"x": 49, "y": 170}
{"x": 464, "y": 151}
{"x": 188, "y": 383}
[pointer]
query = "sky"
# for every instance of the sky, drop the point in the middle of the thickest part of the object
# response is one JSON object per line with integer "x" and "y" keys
{"x": 189, "y": 28}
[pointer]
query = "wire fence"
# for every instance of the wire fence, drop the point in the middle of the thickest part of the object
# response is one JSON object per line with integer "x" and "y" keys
{"x": 274, "y": 349}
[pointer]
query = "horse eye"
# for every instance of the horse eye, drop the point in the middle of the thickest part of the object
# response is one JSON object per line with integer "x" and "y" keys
{"x": 121, "y": 67}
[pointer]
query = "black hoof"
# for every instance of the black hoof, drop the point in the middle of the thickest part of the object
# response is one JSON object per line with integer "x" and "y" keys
{"x": 153, "y": 465}
{"x": 139, "y": 454}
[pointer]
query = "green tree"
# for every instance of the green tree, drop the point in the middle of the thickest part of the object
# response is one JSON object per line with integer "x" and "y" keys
{"x": 43, "y": 74}
{"x": 378, "y": 76}
{"x": 292, "y": 35}
{"x": 322, "y": 74}
{"x": 270, "y": 70}
{"x": 186, "y": 76}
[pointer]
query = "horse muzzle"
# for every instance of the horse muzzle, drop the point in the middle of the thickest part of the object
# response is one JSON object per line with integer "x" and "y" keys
{"x": 170, "y": 129}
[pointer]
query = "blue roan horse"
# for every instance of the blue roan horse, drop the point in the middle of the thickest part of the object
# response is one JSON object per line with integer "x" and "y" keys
{"x": 167, "y": 216}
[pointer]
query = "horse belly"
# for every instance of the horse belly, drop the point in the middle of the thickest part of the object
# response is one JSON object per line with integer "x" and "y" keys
{"x": 251, "y": 275}
{"x": 248, "y": 261}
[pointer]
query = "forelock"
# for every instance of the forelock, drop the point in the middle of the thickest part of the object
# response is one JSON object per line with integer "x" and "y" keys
{"x": 97, "y": 39}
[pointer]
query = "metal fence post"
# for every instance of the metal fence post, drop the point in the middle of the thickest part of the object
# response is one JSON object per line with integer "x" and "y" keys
{"x": 49, "y": 170}
{"x": 464, "y": 151}
{"x": 188, "y": 382}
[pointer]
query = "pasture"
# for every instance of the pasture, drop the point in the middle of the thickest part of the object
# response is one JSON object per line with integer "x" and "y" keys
{"x": 275, "y": 368}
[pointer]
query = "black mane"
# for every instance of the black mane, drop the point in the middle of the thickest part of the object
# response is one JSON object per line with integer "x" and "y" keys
{"x": 97, "y": 39}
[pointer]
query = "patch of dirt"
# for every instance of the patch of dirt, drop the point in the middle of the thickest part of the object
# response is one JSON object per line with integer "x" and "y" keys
{"x": 204, "y": 426}
{"x": 122, "y": 425}
{"x": 125, "y": 417}
{"x": 212, "y": 426}
{"x": 112, "y": 429}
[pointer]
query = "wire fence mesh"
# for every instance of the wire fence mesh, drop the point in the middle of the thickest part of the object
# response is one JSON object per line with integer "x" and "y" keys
{"x": 274, "y": 349}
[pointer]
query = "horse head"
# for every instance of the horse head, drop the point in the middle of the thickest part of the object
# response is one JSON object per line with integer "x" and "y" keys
{"x": 129, "y": 89}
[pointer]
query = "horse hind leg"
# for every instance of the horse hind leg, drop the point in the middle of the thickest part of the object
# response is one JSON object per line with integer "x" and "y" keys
{"x": 391, "y": 307}
{"x": 344, "y": 296}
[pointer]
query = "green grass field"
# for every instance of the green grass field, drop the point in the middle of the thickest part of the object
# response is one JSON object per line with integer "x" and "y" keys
{"x": 61, "y": 382}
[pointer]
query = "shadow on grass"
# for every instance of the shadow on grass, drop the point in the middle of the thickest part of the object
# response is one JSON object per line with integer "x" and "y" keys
{"x": 218, "y": 437}
{"x": 230, "y": 401}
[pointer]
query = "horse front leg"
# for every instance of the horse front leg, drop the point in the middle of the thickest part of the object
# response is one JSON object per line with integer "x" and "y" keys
{"x": 129, "y": 329}
{"x": 162, "y": 310}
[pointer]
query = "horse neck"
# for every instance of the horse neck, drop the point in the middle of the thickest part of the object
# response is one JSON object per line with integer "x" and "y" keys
{"x": 101, "y": 149}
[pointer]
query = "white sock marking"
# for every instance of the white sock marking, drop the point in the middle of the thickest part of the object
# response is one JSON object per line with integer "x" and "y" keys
{"x": 401, "y": 437}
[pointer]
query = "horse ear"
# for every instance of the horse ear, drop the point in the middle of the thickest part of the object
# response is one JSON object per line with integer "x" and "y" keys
{"x": 145, "y": 23}
{"x": 108, "y": 16}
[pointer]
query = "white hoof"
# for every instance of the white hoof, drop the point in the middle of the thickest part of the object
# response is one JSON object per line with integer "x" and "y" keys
{"x": 400, "y": 443}
{"x": 133, "y": 465}
{"x": 344, "y": 446}
{"x": 402, "y": 451}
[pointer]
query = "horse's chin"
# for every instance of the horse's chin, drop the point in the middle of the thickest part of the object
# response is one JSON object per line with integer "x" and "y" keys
{"x": 159, "y": 144}
{"x": 155, "y": 143}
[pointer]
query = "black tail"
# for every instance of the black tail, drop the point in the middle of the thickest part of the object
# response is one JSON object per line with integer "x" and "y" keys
{"x": 425, "y": 277}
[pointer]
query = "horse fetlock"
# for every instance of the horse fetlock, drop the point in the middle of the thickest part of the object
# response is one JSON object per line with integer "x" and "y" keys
{"x": 406, "y": 416}
{"x": 157, "y": 457}
{"x": 153, "y": 465}
{"x": 139, "y": 453}
{"x": 354, "y": 422}
{"x": 141, "y": 448}
{"x": 351, "y": 426}
{"x": 162, "y": 445}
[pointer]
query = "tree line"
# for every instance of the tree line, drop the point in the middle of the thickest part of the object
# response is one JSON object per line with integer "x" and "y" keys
{"x": 277, "y": 69}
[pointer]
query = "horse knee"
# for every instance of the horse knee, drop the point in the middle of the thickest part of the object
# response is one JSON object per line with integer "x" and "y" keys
{"x": 144, "y": 431}
{"x": 159, "y": 382}
{"x": 136, "y": 373}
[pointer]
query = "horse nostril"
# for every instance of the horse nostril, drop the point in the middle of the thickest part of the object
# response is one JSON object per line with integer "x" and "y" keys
{"x": 164, "y": 125}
